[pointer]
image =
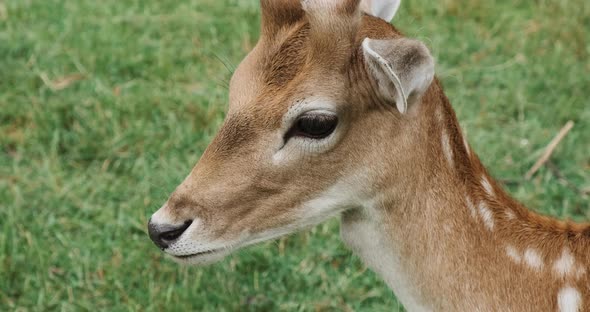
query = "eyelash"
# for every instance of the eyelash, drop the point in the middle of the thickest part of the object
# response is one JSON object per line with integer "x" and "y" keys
{"x": 313, "y": 126}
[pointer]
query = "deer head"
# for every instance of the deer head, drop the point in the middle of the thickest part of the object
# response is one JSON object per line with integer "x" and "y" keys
{"x": 320, "y": 115}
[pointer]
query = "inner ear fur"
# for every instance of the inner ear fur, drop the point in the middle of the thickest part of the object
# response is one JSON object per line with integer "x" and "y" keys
{"x": 403, "y": 69}
{"x": 384, "y": 9}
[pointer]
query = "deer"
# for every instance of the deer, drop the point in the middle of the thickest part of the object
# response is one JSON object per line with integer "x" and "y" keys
{"x": 335, "y": 113}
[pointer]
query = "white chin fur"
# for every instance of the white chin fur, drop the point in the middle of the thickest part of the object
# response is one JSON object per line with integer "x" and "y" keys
{"x": 204, "y": 259}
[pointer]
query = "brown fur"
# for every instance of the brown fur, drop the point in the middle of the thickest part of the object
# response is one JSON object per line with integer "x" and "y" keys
{"x": 455, "y": 263}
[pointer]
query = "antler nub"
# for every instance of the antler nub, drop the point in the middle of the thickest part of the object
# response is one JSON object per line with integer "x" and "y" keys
{"x": 333, "y": 27}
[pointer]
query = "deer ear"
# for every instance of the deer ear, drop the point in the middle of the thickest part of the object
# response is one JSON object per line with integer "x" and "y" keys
{"x": 384, "y": 9}
{"x": 402, "y": 68}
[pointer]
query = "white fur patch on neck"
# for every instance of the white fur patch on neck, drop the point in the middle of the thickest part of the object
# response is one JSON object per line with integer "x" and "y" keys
{"x": 487, "y": 186}
{"x": 569, "y": 299}
{"x": 364, "y": 233}
{"x": 533, "y": 259}
{"x": 471, "y": 207}
{"x": 564, "y": 266}
{"x": 447, "y": 150}
{"x": 466, "y": 143}
{"x": 513, "y": 254}
{"x": 486, "y": 215}
{"x": 440, "y": 116}
{"x": 510, "y": 214}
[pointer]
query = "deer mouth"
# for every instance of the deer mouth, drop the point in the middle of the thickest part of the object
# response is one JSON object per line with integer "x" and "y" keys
{"x": 198, "y": 254}
{"x": 204, "y": 257}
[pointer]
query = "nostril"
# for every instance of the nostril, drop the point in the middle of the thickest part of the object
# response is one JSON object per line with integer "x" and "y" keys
{"x": 175, "y": 233}
{"x": 164, "y": 234}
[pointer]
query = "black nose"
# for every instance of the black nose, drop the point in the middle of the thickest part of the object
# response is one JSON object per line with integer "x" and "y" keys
{"x": 163, "y": 234}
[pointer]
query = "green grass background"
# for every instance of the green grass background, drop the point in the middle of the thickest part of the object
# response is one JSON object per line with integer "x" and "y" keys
{"x": 106, "y": 105}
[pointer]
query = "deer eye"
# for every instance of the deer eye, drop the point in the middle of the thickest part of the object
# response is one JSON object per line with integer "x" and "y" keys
{"x": 313, "y": 125}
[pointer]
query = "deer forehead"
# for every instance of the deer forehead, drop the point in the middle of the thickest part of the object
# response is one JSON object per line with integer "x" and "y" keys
{"x": 268, "y": 73}
{"x": 284, "y": 68}
{"x": 279, "y": 74}
{"x": 306, "y": 39}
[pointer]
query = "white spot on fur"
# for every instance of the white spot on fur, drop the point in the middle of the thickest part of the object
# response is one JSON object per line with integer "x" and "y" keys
{"x": 569, "y": 299}
{"x": 466, "y": 144}
{"x": 440, "y": 116}
{"x": 446, "y": 145}
{"x": 487, "y": 186}
{"x": 486, "y": 215}
{"x": 471, "y": 207}
{"x": 533, "y": 259}
{"x": 565, "y": 264}
{"x": 513, "y": 254}
{"x": 510, "y": 214}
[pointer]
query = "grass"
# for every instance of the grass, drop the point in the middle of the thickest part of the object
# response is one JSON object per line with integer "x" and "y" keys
{"x": 106, "y": 105}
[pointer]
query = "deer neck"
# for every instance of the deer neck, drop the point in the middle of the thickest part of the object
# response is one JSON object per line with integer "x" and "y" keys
{"x": 444, "y": 235}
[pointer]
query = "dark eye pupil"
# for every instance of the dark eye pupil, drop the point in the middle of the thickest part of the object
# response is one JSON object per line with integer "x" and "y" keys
{"x": 317, "y": 126}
